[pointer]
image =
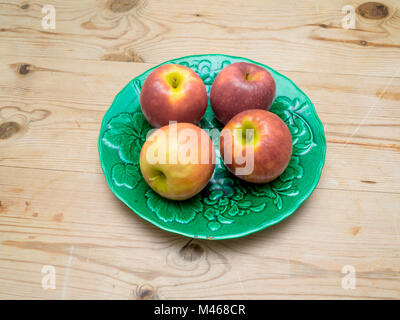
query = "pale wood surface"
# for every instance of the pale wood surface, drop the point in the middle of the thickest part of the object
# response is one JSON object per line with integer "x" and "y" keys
{"x": 55, "y": 206}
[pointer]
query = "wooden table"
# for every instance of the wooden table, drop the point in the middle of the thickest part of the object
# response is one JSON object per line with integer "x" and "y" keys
{"x": 55, "y": 206}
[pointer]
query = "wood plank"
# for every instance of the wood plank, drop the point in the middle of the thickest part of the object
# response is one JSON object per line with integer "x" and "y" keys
{"x": 73, "y": 222}
{"x": 360, "y": 116}
{"x": 56, "y": 208}
{"x": 283, "y": 35}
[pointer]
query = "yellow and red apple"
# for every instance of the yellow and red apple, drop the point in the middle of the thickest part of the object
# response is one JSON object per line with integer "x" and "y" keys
{"x": 241, "y": 86}
{"x": 256, "y": 145}
{"x": 178, "y": 160}
{"x": 173, "y": 93}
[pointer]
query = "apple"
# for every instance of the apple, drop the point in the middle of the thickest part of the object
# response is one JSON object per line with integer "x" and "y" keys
{"x": 177, "y": 160}
{"x": 173, "y": 93}
{"x": 263, "y": 153}
{"x": 241, "y": 86}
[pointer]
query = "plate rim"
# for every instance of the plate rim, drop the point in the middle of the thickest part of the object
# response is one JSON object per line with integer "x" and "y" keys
{"x": 256, "y": 228}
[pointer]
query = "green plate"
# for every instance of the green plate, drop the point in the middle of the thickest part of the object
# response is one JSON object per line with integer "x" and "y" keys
{"x": 227, "y": 207}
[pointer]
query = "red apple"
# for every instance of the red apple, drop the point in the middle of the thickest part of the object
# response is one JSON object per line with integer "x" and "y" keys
{"x": 264, "y": 153}
{"x": 173, "y": 93}
{"x": 178, "y": 160}
{"x": 241, "y": 86}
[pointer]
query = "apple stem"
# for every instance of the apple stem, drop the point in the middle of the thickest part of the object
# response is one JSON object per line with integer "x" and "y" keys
{"x": 174, "y": 84}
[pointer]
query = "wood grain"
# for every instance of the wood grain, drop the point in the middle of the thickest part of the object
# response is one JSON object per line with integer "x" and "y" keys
{"x": 280, "y": 34}
{"x": 55, "y": 206}
{"x": 35, "y": 97}
{"x": 115, "y": 252}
